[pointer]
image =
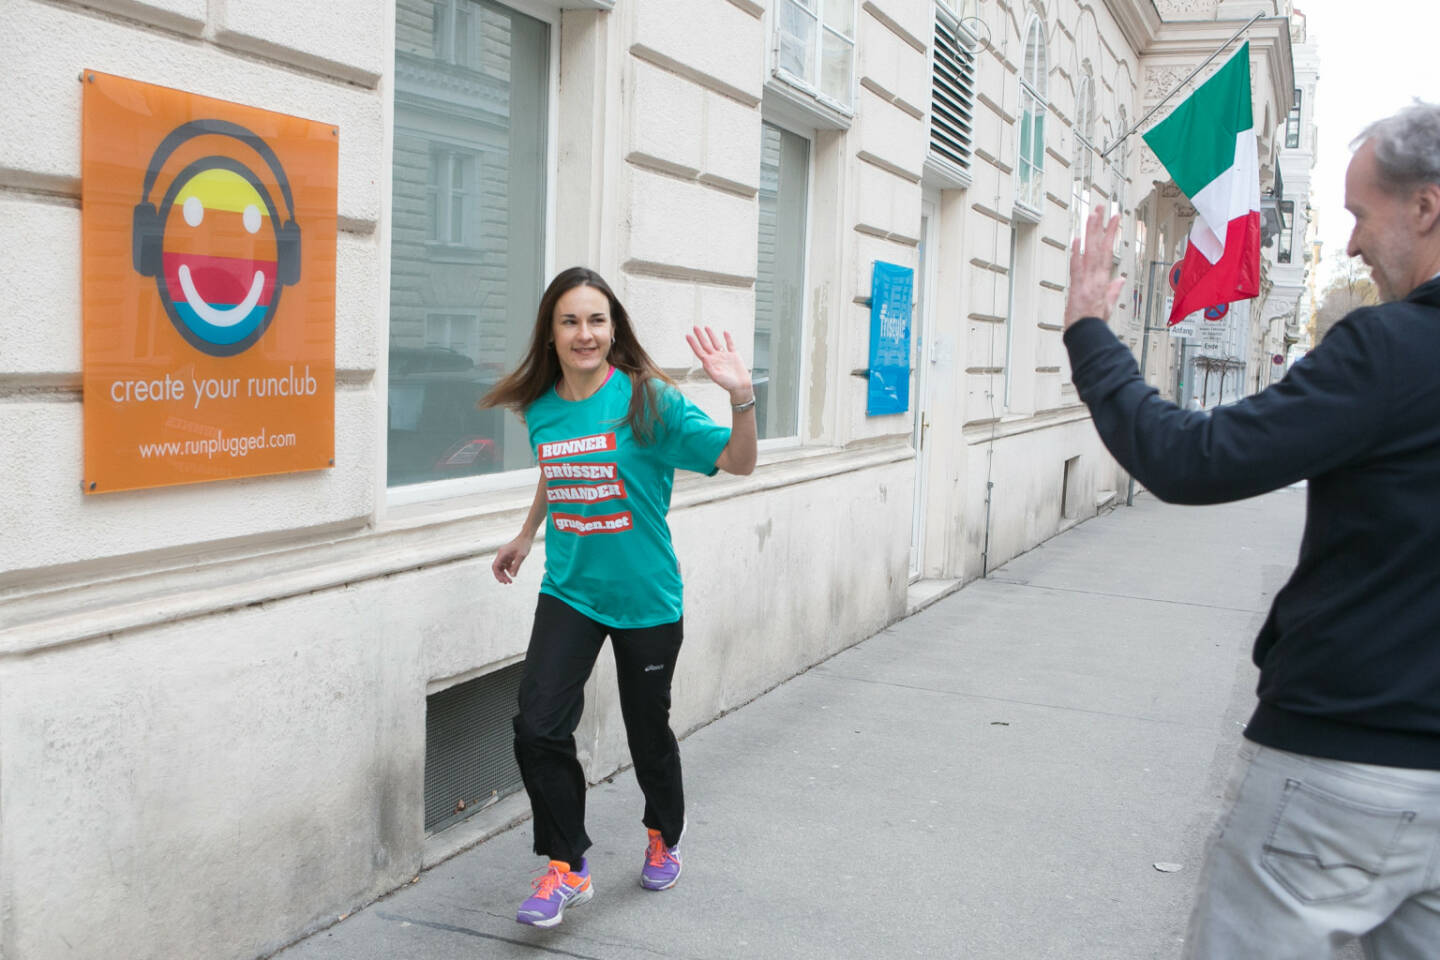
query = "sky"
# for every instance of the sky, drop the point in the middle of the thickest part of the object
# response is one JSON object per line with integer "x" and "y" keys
{"x": 1375, "y": 57}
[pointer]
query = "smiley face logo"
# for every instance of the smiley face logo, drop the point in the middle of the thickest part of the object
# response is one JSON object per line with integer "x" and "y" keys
{"x": 218, "y": 247}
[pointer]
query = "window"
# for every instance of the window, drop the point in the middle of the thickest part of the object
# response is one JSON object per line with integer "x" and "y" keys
{"x": 1010, "y": 319}
{"x": 963, "y": 9}
{"x": 468, "y": 231}
{"x": 816, "y": 47}
{"x": 780, "y": 280}
{"x": 1033, "y": 92}
{"x": 1022, "y": 318}
{"x": 1141, "y": 214}
{"x": 1120, "y": 170}
{"x": 453, "y": 38}
{"x": 1292, "y": 123}
{"x": 453, "y": 193}
{"x": 459, "y": 332}
{"x": 1082, "y": 160}
{"x": 1287, "y": 230}
{"x": 1084, "y": 153}
{"x": 952, "y": 97}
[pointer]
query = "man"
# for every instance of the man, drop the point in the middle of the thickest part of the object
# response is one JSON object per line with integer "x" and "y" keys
{"x": 1333, "y": 826}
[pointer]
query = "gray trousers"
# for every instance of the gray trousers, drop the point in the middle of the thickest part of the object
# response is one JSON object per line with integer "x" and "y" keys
{"x": 1312, "y": 853}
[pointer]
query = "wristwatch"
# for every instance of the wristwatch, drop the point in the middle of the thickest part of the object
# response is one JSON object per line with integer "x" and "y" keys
{"x": 742, "y": 407}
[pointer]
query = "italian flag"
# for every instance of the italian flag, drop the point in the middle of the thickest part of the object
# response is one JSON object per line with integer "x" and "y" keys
{"x": 1208, "y": 147}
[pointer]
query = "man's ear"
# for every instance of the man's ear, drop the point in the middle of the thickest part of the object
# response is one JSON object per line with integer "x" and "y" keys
{"x": 1426, "y": 207}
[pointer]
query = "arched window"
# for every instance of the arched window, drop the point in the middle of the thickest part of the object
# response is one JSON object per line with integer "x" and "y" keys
{"x": 1034, "y": 90}
{"x": 1085, "y": 128}
{"x": 1120, "y": 170}
{"x": 1082, "y": 158}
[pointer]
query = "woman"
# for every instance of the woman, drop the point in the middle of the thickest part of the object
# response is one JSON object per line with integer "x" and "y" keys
{"x": 609, "y": 429}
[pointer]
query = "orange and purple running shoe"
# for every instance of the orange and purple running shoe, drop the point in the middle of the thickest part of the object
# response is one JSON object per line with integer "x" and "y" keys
{"x": 662, "y": 863}
{"x": 555, "y": 889}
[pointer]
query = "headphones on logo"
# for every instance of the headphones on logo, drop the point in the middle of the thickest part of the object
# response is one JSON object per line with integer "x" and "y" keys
{"x": 148, "y": 232}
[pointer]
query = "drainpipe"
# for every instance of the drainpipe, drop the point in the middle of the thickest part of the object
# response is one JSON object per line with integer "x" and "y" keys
{"x": 985, "y": 551}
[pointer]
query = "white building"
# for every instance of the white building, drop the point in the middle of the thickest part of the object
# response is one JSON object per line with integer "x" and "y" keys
{"x": 1294, "y": 261}
{"x": 230, "y": 712}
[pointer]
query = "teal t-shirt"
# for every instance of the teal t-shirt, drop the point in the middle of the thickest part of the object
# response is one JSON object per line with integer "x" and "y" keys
{"x": 607, "y": 546}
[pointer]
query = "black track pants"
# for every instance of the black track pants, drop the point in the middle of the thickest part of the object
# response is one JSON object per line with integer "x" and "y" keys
{"x": 563, "y": 646}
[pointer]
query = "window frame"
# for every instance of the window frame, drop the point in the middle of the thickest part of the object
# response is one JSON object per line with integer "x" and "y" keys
{"x": 508, "y": 480}
{"x": 1082, "y": 170}
{"x": 1292, "y": 121}
{"x": 1120, "y": 170}
{"x": 1285, "y": 239}
{"x": 1086, "y": 103}
{"x": 802, "y": 372}
{"x": 1032, "y": 120}
{"x": 814, "y": 89}
{"x": 1007, "y": 384}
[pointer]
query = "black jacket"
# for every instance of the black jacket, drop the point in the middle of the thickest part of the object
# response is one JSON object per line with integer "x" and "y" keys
{"x": 1349, "y": 656}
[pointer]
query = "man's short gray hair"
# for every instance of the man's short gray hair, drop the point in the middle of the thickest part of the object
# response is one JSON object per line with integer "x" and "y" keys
{"x": 1407, "y": 146}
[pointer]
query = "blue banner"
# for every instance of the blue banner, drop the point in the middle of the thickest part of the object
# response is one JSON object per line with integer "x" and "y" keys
{"x": 890, "y": 295}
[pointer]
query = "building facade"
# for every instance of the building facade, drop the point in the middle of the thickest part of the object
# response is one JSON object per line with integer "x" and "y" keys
{"x": 231, "y": 712}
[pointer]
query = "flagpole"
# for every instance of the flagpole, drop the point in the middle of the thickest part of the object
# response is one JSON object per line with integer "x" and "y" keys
{"x": 1175, "y": 89}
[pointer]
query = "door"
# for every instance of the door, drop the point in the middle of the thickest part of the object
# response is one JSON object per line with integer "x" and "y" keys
{"x": 921, "y": 357}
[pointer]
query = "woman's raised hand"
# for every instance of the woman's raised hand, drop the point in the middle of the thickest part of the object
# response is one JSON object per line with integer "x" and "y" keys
{"x": 722, "y": 363}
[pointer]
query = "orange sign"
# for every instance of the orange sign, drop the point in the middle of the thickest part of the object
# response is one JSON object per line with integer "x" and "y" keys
{"x": 209, "y": 288}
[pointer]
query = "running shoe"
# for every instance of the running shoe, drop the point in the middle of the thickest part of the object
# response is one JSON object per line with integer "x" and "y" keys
{"x": 662, "y": 863}
{"x": 555, "y": 889}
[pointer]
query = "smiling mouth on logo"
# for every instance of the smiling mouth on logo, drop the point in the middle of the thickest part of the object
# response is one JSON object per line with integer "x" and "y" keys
{"x": 220, "y": 316}
{"x": 222, "y": 299}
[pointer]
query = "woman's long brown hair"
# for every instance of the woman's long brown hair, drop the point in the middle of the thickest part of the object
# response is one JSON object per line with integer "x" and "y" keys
{"x": 540, "y": 369}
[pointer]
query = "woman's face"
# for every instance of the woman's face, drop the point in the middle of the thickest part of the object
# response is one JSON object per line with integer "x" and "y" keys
{"x": 582, "y": 331}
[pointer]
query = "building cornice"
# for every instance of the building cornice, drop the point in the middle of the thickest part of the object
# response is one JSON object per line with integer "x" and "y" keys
{"x": 1269, "y": 44}
{"x": 1139, "y": 21}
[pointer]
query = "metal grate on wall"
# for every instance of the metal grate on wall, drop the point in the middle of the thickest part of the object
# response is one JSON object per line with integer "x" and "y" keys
{"x": 952, "y": 99}
{"x": 469, "y": 756}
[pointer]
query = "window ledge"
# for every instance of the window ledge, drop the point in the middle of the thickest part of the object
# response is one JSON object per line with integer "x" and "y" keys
{"x": 1013, "y": 425}
{"x": 1024, "y": 213}
{"x": 946, "y": 175}
{"x": 411, "y": 538}
{"x": 796, "y": 106}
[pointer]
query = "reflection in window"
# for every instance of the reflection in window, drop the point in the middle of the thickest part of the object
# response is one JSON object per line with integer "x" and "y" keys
{"x": 816, "y": 46}
{"x": 1034, "y": 80}
{"x": 467, "y": 241}
{"x": 454, "y": 38}
{"x": 779, "y": 280}
{"x": 454, "y": 195}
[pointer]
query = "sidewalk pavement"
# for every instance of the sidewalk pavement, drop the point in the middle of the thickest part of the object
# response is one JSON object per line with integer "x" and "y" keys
{"x": 994, "y": 777}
